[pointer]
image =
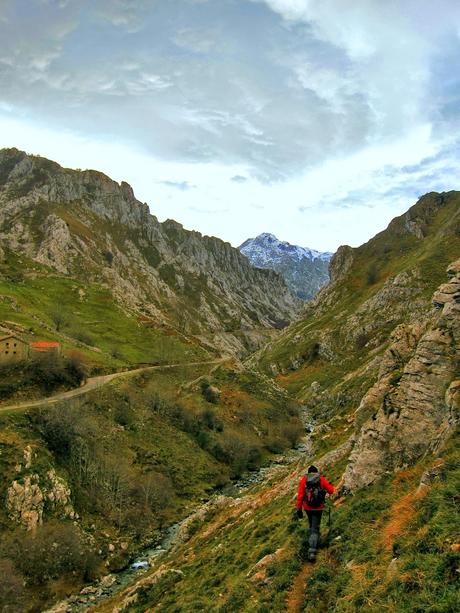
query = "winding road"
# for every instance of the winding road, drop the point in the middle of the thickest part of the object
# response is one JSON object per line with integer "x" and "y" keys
{"x": 95, "y": 382}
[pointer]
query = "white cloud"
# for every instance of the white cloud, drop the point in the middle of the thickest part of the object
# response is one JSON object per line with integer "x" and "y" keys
{"x": 197, "y": 40}
{"x": 127, "y": 14}
{"x": 344, "y": 201}
{"x": 311, "y": 111}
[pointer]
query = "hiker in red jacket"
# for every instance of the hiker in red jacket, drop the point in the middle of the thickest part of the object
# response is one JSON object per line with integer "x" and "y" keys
{"x": 313, "y": 488}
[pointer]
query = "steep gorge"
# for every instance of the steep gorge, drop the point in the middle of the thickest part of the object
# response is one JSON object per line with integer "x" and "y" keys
{"x": 373, "y": 361}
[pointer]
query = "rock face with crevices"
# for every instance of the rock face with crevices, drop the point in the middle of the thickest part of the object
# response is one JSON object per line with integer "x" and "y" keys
{"x": 415, "y": 403}
{"x": 30, "y": 493}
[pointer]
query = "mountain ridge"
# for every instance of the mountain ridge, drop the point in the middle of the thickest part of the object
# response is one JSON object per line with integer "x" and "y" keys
{"x": 370, "y": 367}
{"x": 82, "y": 223}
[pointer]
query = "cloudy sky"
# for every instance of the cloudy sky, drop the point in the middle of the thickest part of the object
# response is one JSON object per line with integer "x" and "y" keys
{"x": 316, "y": 120}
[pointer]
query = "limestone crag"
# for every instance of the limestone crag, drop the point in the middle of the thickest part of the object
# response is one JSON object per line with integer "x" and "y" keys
{"x": 414, "y": 404}
{"x": 341, "y": 262}
{"x": 31, "y": 494}
{"x": 25, "y": 502}
{"x": 83, "y": 224}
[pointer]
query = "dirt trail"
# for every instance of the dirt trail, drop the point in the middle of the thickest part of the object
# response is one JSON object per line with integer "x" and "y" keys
{"x": 95, "y": 382}
{"x": 296, "y": 596}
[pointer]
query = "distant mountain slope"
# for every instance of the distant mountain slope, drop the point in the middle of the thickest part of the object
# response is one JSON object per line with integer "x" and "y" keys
{"x": 388, "y": 280}
{"x": 304, "y": 270}
{"x": 85, "y": 226}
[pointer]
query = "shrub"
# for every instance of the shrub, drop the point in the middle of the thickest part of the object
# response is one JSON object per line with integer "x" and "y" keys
{"x": 211, "y": 421}
{"x": 236, "y": 453}
{"x": 254, "y": 458}
{"x": 56, "y": 548}
{"x": 292, "y": 409}
{"x": 124, "y": 415}
{"x": 372, "y": 275}
{"x": 108, "y": 256}
{"x": 116, "y": 354}
{"x": 276, "y": 445}
{"x": 82, "y": 335}
{"x": 49, "y": 372}
{"x": 210, "y": 393}
{"x": 158, "y": 405}
{"x": 292, "y": 432}
{"x": 11, "y": 587}
{"x": 361, "y": 340}
{"x": 58, "y": 428}
{"x": 59, "y": 319}
{"x": 76, "y": 368}
{"x": 311, "y": 352}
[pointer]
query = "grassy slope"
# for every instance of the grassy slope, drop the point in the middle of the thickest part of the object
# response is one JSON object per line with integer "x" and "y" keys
{"x": 352, "y": 574}
{"x": 103, "y": 334}
{"x": 385, "y": 521}
{"x": 390, "y": 550}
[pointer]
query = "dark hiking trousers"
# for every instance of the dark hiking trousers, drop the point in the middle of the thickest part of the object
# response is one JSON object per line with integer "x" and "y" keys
{"x": 314, "y": 521}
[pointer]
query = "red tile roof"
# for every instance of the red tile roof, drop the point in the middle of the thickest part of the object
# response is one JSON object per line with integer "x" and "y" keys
{"x": 44, "y": 344}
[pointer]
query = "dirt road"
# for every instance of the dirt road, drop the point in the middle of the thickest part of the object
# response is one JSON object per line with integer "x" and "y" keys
{"x": 95, "y": 382}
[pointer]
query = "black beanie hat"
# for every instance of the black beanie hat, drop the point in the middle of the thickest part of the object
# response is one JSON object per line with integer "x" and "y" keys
{"x": 312, "y": 469}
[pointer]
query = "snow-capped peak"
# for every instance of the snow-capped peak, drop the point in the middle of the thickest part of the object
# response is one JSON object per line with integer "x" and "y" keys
{"x": 305, "y": 270}
{"x": 266, "y": 247}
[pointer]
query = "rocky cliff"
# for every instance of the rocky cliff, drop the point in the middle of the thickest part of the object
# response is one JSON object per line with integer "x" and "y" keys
{"x": 84, "y": 225}
{"x": 415, "y": 403}
{"x": 305, "y": 270}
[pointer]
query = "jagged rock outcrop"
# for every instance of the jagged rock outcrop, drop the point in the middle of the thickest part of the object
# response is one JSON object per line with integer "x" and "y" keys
{"x": 83, "y": 224}
{"x": 341, "y": 262}
{"x": 415, "y": 403}
{"x": 30, "y": 494}
{"x": 25, "y": 502}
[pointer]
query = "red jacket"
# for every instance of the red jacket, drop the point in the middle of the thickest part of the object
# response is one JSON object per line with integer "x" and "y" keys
{"x": 301, "y": 503}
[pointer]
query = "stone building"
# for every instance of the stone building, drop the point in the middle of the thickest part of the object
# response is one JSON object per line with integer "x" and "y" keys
{"x": 13, "y": 349}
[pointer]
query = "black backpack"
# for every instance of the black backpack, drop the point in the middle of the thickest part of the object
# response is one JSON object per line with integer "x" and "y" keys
{"x": 314, "y": 493}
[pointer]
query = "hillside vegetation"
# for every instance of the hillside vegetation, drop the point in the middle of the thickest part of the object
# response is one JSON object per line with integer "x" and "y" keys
{"x": 393, "y": 547}
{"x": 375, "y": 287}
{"x": 87, "y": 483}
{"x": 92, "y": 329}
{"x": 367, "y": 380}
